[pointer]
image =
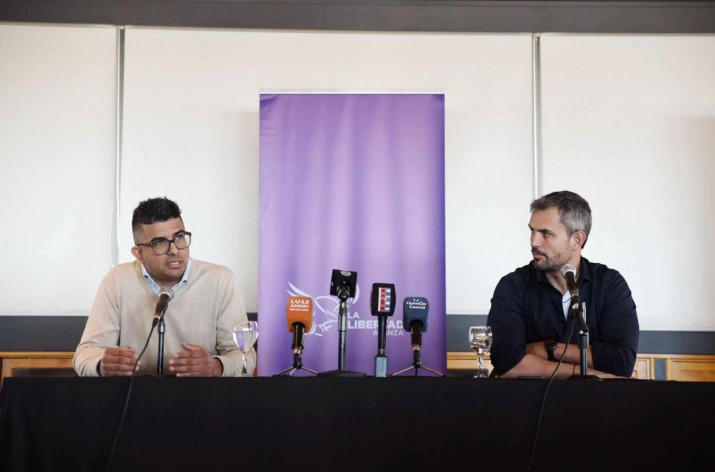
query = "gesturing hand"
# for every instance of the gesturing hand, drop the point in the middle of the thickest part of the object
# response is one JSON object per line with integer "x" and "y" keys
{"x": 118, "y": 361}
{"x": 194, "y": 361}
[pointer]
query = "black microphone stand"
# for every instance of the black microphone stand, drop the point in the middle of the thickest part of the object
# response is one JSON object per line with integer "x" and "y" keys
{"x": 417, "y": 365}
{"x": 416, "y": 353}
{"x": 160, "y": 360}
{"x": 381, "y": 357}
{"x": 343, "y": 295}
{"x": 297, "y": 359}
{"x": 297, "y": 365}
{"x": 342, "y": 326}
{"x": 580, "y": 314}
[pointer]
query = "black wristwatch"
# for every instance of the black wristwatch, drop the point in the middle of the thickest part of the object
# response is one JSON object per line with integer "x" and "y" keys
{"x": 550, "y": 346}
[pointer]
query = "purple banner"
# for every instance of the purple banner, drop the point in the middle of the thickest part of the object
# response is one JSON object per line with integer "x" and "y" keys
{"x": 352, "y": 182}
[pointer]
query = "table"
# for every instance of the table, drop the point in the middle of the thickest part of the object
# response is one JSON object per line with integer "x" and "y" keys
{"x": 344, "y": 424}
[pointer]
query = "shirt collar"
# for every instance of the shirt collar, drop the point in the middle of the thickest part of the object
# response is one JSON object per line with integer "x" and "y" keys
{"x": 155, "y": 286}
{"x": 586, "y": 273}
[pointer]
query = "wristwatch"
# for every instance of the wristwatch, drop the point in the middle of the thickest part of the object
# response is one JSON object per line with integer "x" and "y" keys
{"x": 550, "y": 346}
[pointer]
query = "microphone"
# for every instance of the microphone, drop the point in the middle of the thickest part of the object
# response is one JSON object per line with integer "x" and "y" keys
{"x": 299, "y": 318}
{"x": 343, "y": 284}
{"x": 415, "y": 311}
{"x": 382, "y": 305}
{"x": 165, "y": 294}
{"x": 569, "y": 273}
{"x": 414, "y": 319}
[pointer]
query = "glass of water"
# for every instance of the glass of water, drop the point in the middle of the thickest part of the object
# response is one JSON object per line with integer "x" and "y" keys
{"x": 480, "y": 339}
{"x": 245, "y": 334}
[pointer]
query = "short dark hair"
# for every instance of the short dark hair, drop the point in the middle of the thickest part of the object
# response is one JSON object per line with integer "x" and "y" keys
{"x": 574, "y": 211}
{"x": 151, "y": 211}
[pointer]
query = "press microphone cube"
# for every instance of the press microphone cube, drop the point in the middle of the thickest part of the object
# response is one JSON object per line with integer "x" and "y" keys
{"x": 299, "y": 310}
{"x": 343, "y": 283}
{"x": 382, "y": 299}
{"x": 415, "y": 309}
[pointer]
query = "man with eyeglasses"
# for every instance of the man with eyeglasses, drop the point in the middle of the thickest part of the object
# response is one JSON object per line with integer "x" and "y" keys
{"x": 199, "y": 320}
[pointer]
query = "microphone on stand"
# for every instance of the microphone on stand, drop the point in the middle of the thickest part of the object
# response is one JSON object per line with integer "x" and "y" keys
{"x": 579, "y": 311}
{"x": 414, "y": 319}
{"x": 343, "y": 284}
{"x": 165, "y": 295}
{"x": 569, "y": 273}
{"x": 299, "y": 318}
{"x": 382, "y": 305}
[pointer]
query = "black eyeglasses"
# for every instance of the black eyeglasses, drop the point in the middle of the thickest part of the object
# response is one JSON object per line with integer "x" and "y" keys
{"x": 161, "y": 246}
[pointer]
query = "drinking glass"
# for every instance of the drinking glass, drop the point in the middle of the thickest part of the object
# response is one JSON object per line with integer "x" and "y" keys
{"x": 480, "y": 339}
{"x": 245, "y": 334}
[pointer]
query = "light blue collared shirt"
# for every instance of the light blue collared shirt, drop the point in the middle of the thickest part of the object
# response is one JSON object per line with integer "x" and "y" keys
{"x": 155, "y": 286}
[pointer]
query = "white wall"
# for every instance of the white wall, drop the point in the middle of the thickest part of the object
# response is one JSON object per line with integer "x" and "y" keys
{"x": 56, "y": 166}
{"x": 632, "y": 118}
{"x": 630, "y": 122}
{"x": 191, "y": 132}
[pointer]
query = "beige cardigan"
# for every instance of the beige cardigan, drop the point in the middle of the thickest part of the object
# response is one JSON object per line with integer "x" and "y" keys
{"x": 202, "y": 311}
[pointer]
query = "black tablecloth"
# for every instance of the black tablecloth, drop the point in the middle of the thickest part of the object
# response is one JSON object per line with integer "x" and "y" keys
{"x": 366, "y": 424}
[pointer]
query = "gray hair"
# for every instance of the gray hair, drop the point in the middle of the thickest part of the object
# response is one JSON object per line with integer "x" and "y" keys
{"x": 574, "y": 211}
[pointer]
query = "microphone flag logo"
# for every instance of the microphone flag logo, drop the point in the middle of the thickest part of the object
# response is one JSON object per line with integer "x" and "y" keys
{"x": 385, "y": 299}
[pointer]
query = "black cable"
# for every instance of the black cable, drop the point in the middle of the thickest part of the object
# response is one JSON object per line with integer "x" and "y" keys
{"x": 546, "y": 393}
{"x": 126, "y": 401}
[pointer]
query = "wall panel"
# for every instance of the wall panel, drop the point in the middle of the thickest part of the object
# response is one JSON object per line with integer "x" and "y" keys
{"x": 57, "y": 165}
{"x": 629, "y": 122}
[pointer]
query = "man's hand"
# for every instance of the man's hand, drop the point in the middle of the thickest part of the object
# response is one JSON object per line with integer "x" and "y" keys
{"x": 194, "y": 361}
{"x": 118, "y": 361}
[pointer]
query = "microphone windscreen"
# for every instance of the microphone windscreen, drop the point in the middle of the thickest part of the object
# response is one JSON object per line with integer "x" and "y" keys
{"x": 166, "y": 291}
{"x": 568, "y": 268}
{"x": 299, "y": 310}
{"x": 382, "y": 299}
{"x": 415, "y": 309}
{"x": 343, "y": 282}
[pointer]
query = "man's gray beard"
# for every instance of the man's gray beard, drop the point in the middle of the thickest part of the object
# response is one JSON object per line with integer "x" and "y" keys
{"x": 550, "y": 267}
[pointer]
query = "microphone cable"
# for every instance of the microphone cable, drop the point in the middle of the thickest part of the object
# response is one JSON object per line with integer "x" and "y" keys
{"x": 546, "y": 393}
{"x": 126, "y": 400}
